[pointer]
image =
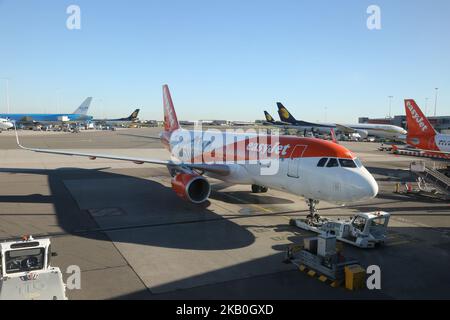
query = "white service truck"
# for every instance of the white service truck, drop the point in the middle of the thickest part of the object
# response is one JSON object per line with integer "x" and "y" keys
{"x": 364, "y": 230}
{"x": 26, "y": 273}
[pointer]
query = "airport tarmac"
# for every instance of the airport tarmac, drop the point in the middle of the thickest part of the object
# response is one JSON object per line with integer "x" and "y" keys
{"x": 134, "y": 238}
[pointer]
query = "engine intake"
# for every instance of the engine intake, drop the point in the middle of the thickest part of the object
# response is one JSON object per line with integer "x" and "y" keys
{"x": 191, "y": 187}
{"x": 362, "y": 133}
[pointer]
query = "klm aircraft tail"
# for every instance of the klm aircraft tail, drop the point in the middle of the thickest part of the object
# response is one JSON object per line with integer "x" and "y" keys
{"x": 284, "y": 114}
{"x": 83, "y": 109}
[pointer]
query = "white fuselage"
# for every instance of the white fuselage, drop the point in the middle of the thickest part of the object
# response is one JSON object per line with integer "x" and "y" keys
{"x": 299, "y": 175}
{"x": 380, "y": 130}
{"x": 442, "y": 142}
{"x": 5, "y": 124}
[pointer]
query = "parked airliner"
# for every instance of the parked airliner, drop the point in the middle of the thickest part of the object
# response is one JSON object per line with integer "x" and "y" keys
{"x": 79, "y": 115}
{"x": 421, "y": 133}
{"x": 5, "y": 124}
{"x": 311, "y": 168}
{"x": 120, "y": 122}
{"x": 384, "y": 131}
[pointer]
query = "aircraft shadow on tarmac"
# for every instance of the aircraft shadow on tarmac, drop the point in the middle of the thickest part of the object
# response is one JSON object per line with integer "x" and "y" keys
{"x": 259, "y": 278}
{"x": 405, "y": 247}
{"x": 392, "y": 174}
{"x": 244, "y": 197}
{"x": 163, "y": 219}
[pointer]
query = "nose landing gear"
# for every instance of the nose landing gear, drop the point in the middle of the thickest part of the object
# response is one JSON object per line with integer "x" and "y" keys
{"x": 259, "y": 189}
{"x": 313, "y": 215}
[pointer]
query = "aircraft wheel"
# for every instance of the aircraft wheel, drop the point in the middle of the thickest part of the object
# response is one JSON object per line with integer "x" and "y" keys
{"x": 259, "y": 189}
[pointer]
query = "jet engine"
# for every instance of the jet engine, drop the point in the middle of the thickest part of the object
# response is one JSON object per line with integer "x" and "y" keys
{"x": 191, "y": 187}
{"x": 362, "y": 133}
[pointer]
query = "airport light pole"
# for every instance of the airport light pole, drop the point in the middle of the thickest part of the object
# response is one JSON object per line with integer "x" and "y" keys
{"x": 435, "y": 100}
{"x": 390, "y": 105}
{"x": 100, "y": 102}
{"x": 58, "y": 93}
{"x": 7, "y": 93}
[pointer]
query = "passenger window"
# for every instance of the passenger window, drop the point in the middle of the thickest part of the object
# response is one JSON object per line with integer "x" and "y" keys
{"x": 322, "y": 162}
{"x": 347, "y": 163}
{"x": 332, "y": 163}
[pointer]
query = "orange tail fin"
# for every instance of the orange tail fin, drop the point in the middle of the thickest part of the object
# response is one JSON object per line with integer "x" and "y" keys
{"x": 418, "y": 124}
{"x": 170, "y": 117}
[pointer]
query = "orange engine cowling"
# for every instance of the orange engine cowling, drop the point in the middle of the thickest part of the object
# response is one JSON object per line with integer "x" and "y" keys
{"x": 191, "y": 187}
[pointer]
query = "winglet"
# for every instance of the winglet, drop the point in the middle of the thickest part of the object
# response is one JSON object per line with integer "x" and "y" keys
{"x": 333, "y": 136}
{"x": 170, "y": 117}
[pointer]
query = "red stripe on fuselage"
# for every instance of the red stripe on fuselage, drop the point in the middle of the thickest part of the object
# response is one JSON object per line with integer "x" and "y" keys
{"x": 269, "y": 147}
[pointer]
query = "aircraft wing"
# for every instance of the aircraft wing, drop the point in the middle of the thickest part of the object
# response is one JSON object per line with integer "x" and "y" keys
{"x": 345, "y": 129}
{"x": 221, "y": 169}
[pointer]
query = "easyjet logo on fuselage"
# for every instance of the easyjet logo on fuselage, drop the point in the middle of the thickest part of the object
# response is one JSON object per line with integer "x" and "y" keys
{"x": 419, "y": 120}
{"x": 264, "y": 148}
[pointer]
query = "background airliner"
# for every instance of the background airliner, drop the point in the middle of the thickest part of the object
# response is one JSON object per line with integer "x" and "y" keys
{"x": 364, "y": 130}
{"x": 79, "y": 115}
{"x": 5, "y": 124}
{"x": 271, "y": 121}
{"x": 312, "y": 168}
{"x": 120, "y": 122}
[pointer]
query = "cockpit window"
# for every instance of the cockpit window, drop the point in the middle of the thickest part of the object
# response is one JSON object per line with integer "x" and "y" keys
{"x": 347, "y": 163}
{"x": 332, "y": 163}
{"x": 358, "y": 163}
{"x": 322, "y": 162}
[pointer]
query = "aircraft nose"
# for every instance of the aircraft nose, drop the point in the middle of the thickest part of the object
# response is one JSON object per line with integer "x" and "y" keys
{"x": 372, "y": 189}
{"x": 369, "y": 186}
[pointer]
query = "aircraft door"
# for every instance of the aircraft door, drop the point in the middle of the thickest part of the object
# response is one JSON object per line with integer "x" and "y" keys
{"x": 295, "y": 161}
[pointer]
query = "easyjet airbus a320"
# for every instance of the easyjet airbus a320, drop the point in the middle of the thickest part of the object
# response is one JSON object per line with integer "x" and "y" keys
{"x": 311, "y": 168}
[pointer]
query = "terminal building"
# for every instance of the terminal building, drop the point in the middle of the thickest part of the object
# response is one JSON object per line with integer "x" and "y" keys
{"x": 441, "y": 123}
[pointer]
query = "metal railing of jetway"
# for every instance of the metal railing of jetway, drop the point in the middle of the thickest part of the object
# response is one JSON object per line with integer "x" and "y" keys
{"x": 432, "y": 176}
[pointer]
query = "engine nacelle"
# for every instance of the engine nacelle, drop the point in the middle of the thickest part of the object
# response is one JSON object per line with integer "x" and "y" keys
{"x": 191, "y": 187}
{"x": 362, "y": 133}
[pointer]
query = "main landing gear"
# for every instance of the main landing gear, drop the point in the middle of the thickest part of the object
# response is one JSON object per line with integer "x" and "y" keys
{"x": 259, "y": 189}
{"x": 313, "y": 215}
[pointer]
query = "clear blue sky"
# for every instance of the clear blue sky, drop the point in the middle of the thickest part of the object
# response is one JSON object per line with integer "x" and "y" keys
{"x": 225, "y": 59}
